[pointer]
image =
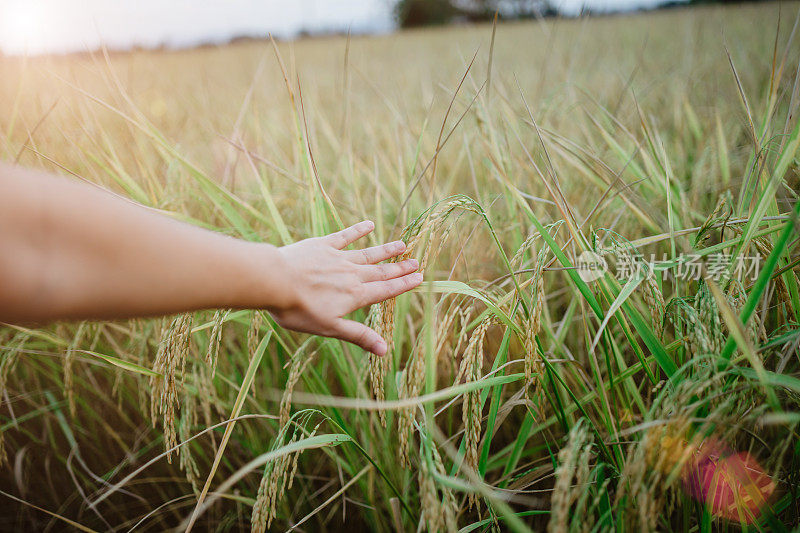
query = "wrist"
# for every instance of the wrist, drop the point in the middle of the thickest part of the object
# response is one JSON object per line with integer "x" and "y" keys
{"x": 269, "y": 282}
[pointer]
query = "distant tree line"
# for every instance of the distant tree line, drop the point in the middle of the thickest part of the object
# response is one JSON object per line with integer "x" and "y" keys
{"x": 413, "y": 13}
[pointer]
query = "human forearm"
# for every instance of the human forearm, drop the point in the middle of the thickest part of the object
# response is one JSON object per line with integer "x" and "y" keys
{"x": 74, "y": 251}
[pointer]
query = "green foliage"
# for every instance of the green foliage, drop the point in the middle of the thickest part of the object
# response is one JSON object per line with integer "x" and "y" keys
{"x": 611, "y": 135}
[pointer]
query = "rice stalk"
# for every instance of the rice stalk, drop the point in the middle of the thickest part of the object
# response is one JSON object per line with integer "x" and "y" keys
{"x": 299, "y": 364}
{"x": 188, "y": 421}
{"x": 438, "y": 503}
{"x": 276, "y": 475}
{"x": 69, "y": 358}
{"x": 8, "y": 360}
{"x": 253, "y": 332}
{"x": 431, "y": 514}
{"x": 472, "y": 369}
{"x": 573, "y": 463}
{"x": 215, "y": 339}
{"x": 170, "y": 364}
{"x": 382, "y": 321}
{"x": 533, "y": 362}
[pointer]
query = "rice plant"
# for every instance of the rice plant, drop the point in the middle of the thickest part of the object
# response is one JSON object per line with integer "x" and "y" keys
{"x": 520, "y": 391}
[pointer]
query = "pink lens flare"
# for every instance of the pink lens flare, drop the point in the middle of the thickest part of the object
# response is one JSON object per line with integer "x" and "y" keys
{"x": 733, "y": 485}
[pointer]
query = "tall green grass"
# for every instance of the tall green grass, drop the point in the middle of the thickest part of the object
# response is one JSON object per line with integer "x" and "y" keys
{"x": 499, "y": 155}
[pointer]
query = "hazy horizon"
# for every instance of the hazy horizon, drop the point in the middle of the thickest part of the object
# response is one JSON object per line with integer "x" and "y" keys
{"x": 61, "y": 26}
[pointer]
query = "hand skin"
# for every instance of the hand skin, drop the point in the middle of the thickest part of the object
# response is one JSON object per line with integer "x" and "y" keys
{"x": 70, "y": 251}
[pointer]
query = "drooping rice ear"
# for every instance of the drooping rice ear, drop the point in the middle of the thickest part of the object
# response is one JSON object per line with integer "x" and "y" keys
{"x": 382, "y": 321}
{"x": 253, "y": 333}
{"x": 533, "y": 362}
{"x": 169, "y": 365}
{"x": 654, "y": 300}
{"x": 471, "y": 408}
{"x": 215, "y": 339}
{"x": 413, "y": 375}
{"x": 188, "y": 421}
{"x": 573, "y": 462}
{"x": 299, "y": 363}
{"x": 432, "y": 512}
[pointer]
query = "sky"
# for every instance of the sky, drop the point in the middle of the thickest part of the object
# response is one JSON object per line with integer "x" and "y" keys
{"x": 46, "y": 26}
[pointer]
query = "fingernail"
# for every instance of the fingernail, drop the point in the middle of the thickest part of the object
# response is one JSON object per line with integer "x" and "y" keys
{"x": 416, "y": 278}
{"x": 413, "y": 263}
{"x": 367, "y": 224}
{"x": 399, "y": 246}
{"x": 380, "y": 348}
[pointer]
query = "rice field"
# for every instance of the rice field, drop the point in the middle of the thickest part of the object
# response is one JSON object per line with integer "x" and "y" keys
{"x": 524, "y": 390}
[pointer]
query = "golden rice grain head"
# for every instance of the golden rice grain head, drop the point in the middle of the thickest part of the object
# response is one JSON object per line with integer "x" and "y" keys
{"x": 253, "y": 332}
{"x": 443, "y": 346}
{"x": 299, "y": 364}
{"x": 405, "y": 421}
{"x": 564, "y": 493}
{"x": 429, "y": 499}
{"x": 278, "y": 477}
{"x": 382, "y": 321}
{"x": 423, "y": 230}
{"x": 709, "y": 316}
{"x": 449, "y": 504}
{"x": 516, "y": 259}
{"x": 472, "y": 364}
{"x": 169, "y": 365}
{"x": 472, "y": 360}
{"x": 580, "y": 519}
{"x": 533, "y": 362}
{"x": 260, "y": 513}
{"x": 412, "y": 378}
{"x": 295, "y": 459}
{"x": 654, "y": 300}
{"x": 736, "y": 297}
{"x": 699, "y": 338}
{"x": 703, "y": 233}
{"x": 215, "y": 338}
{"x": 208, "y": 399}
{"x": 185, "y": 458}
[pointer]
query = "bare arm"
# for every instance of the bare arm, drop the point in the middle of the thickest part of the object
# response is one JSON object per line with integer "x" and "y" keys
{"x": 71, "y": 251}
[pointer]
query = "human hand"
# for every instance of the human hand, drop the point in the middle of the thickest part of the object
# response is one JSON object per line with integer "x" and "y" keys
{"x": 328, "y": 282}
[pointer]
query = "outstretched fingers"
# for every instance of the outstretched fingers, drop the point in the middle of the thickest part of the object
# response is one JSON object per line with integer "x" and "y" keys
{"x": 388, "y": 271}
{"x": 378, "y": 291}
{"x": 360, "y": 335}
{"x": 376, "y": 254}
{"x": 347, "y": 236}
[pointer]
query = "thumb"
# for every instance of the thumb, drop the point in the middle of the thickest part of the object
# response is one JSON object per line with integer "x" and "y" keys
{"x": 360, "y": 335}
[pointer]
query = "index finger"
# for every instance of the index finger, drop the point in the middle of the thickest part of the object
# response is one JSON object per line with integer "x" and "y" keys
{"x": 340, "y": 239}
